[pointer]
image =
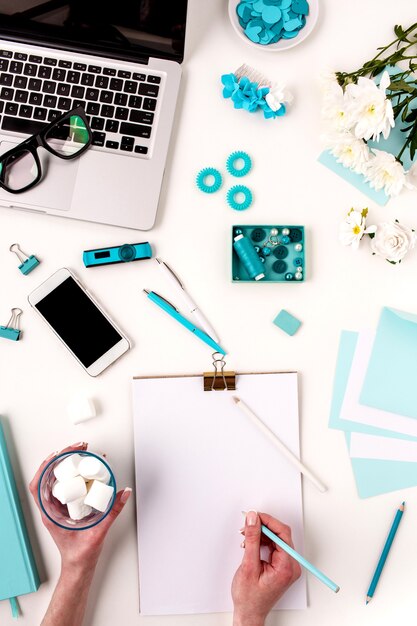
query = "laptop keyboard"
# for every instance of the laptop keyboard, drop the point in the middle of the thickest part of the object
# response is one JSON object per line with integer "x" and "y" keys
{"x": 120, "y": 104}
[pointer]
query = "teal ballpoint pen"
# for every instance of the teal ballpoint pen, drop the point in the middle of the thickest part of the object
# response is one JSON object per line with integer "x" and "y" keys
{"x": 173, "y": 312}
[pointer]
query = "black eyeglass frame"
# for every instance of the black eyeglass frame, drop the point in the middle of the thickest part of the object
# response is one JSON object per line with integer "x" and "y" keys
{"x": 31, "y": 144}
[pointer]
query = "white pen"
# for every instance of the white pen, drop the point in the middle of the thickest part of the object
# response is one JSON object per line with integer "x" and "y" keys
{"x": 202, "y": 320}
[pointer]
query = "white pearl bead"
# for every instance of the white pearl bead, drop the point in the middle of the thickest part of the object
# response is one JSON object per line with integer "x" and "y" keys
{"x": 298, "y": 276}
{"x": 285, "y": 232}
{"x": 298, "y": 247}
{"x": 274, "y": 232}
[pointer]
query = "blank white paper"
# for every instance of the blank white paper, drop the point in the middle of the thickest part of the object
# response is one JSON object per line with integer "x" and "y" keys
{"x": 199, "y": 463}
{"x": 355, "y": 412}
{"x": 363, "y": 446}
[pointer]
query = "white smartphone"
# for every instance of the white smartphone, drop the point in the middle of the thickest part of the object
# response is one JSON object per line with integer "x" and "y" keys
{"x": 81, "y": 324}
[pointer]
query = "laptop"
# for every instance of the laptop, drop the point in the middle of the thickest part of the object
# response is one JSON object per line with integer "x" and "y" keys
{"x": 120, "y": 61}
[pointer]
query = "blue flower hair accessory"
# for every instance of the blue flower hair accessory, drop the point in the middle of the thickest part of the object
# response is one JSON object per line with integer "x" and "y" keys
{"x": 250, "y": 90}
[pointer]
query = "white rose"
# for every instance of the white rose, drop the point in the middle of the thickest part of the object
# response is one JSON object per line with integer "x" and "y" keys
{"x": 392, "y": 241}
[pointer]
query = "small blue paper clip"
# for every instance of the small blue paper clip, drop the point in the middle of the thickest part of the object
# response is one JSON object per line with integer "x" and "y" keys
{"x": 27, "y": 263}
{"x": 11, "y": 331}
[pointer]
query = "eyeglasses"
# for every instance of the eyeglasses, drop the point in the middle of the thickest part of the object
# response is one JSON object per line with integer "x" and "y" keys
{"x": 67, "y": 138}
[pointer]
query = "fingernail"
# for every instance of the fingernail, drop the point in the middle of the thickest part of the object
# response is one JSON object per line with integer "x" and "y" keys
{"x": 242, "y": 531}
{"x": 251, "y": 518}
{"x": 242, "y": 545}
{"x": 125, "y": 495}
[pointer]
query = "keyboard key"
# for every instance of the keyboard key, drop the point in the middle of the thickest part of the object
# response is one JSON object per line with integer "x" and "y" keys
{"x": 64, "y": 104}
{"x": 77, "y": 91}
{"x": 139, "y": 76}
{"x": 30, "y": 69}
{"x": 80, "y": 67}
{"x": 49, "y": 61}
{"x": 16, "y": 124}
{"x": 53, "y": 115}
{"x": 116, "y": 84}
{"x": 102, "y": 82}
{"x": 97, "y": 123}
{"x": 44, "y": 72}
{"x": 154, "y": 79}
{"x": 112, "y": 126}
{"x": 20, "y": 82}
{"x": 25, "y": 110}
{"x": 1, "y": 106}
{"x": 49, "y": 101}
{"x": 87, "y": 80}
{"x": 63, "y": 89}
{"x": 20, "y": 56}
{"x": 136, "y": 130}
{"x": 149, "y": 104}
{"x": 21, "y": 96}
{"x": 130, "y": 86}
{"x": 148, "y": 90}
{"x": 65, "y": 64}
{"x": 93, "y": 108}
{"x": 120, "y": 99}
{"x": 109, "y": 71}
{"x": 123, "y": 74}
{"x": 6, "y": 54}
{"x": 73, "y": 77}
{"x": 34, "y": 84}
{"x": 16, "y": 67}
{"x": 106, "y": 97}
{"x": 33, "y": 58}
{"x": 99, "y": 139}
{"x": 78, "y": 103}
{"x": 11, "y": 108}
{"x": 59, "y": 74}
{"x": 92, "y": 94}
{"x": 4, "y": 64}
{"x": 40, "y": 114}
{"x": 127, "y": 144}
{"x": 6, "y": 79}
{"x": 112, "y": 144}
{"x": 48, "y": 86}
{"x": 135, "y": 102}
{"x": 94, "y": 69}
{"x": 35, "y": 98}
{"x": 141, "y": 149}
{"x": 142, "y": 117}
{"x": 121, "y": 113}
{"x": 107, "y": 111}
{"x": 6, "y": 93}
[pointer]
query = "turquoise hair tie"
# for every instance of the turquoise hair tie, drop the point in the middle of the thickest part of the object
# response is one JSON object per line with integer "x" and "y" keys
{"x": 202, "y": 176}
{"x": 231, "y": 197}
{"x": 231, "y": 163}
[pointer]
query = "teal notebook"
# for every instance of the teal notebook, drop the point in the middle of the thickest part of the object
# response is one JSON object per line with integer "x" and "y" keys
{"x": 18, "y": 573}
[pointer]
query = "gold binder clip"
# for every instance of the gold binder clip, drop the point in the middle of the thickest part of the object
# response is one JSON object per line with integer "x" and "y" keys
{"x": 219, "y": 380}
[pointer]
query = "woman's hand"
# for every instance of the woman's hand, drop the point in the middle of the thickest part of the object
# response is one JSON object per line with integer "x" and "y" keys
{"x": 258, "y": 585}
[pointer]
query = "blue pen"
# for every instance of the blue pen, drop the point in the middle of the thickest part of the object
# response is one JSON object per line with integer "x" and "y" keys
{"x": 173, "y": 312}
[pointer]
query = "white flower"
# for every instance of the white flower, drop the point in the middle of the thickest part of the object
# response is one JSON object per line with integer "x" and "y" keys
{"x": 383, "y": 171}
{"x": 348, "y": 150}
{"x": 277, "y": 96}
{"x": 392, "y": 241}
{"x": 336, "y": 107}
{"x": 370, "y": 108}
{"x": 353, "y": 228}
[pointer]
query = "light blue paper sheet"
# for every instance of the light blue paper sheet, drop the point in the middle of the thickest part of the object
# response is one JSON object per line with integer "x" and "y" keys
{"x": 373, "y": 477}
{"x": 390, "y": 382}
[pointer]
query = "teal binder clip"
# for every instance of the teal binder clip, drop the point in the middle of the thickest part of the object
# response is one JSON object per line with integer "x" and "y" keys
{"x": 11, "y": 331}
{"x": 27, "y": 263}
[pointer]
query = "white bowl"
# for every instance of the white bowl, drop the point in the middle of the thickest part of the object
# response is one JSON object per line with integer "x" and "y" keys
{"x": 282, "y": 44}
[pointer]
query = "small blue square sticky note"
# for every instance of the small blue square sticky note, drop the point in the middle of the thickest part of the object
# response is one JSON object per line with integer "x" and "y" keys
{"x": 287, "y": 322}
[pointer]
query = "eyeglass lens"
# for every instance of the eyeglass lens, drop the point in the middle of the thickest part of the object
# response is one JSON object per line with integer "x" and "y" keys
{"x": 19, "y": 170}
{"x": 68, "y": 136}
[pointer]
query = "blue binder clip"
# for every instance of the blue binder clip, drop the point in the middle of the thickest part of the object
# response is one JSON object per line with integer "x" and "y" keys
{"x": 11, "y": 331}
{"x": 27, "y": 263}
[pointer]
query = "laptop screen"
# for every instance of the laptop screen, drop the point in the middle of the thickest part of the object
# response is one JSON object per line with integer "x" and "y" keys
{"x": 127, "y": 29}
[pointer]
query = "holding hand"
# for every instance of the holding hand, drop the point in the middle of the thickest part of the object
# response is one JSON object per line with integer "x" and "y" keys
{"x": 257, "y": 584}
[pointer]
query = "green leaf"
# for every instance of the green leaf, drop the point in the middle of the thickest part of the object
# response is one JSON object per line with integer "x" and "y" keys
{"x": 412, "y": 116}
{"x": 401, "y": 85}
{"x": 398, "y": 30}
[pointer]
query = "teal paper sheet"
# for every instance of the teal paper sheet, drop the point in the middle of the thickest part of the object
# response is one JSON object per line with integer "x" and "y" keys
{"x": 373, "y": 477}
{"x": 390, "y": 382}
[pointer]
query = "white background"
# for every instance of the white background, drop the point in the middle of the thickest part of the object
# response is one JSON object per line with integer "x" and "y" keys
{"x": 343, "y": 535}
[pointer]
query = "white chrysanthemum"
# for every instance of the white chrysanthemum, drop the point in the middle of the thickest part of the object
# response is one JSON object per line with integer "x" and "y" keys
{"x": 348, "y": 150}
{"x": 370, "y": 108}
{"x": 336, "y": 107}
{"x": 353, "y": 228}
{"x": 277, "y": 96}
{"x": 383, "y": 171}
{"x": 392, "y": 241}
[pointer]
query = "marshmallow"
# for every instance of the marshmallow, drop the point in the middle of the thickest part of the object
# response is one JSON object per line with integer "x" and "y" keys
{"x": 81, "y": 408}
{"x": 91, "y": 468}
{"x": 69, "y": 490}
{"x": 77, "y": 509}
{"x": 99, "y": 496}
{"x": 68, "y": 468}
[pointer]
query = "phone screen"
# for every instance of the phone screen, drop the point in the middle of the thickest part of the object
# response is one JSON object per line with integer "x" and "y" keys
{"x": 79, "y": 323}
